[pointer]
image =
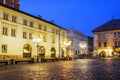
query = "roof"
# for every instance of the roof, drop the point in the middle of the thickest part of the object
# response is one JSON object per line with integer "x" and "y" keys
{"x": 110, "y": 25}
{"x": 31, "y": 15}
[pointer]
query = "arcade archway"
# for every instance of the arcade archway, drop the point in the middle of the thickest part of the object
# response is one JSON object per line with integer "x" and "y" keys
{"x": 27, "y": 51}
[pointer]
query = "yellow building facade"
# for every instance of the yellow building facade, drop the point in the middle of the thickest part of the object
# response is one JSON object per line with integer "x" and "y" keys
{"x": 17, "y": 31}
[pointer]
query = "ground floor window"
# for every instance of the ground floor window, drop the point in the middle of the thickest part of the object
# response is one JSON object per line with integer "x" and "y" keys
{"x": 4, "y": 48}
{"x": 27, "y": 50}
{"x": 41, "y": 51}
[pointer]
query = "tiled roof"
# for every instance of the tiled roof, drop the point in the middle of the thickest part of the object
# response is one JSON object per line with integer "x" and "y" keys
{"x": 31, "y": 16}
{"x": 110, "y": 25}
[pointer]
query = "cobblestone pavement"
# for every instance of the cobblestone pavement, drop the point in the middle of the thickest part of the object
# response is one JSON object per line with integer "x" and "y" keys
{"x": 82, "y": 69}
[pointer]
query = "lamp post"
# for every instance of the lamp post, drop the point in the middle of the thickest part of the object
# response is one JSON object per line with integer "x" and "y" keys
{"x": 37, "y": 41}
{"x": 66, "y": 43}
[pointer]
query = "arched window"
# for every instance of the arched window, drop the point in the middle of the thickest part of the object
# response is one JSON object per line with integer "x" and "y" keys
{"x": 27, "y": 50}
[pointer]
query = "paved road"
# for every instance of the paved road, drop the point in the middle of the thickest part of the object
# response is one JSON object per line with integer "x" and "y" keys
{"x": 82, "y": 69}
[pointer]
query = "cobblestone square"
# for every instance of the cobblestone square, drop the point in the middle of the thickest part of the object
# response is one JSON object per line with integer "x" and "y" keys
{"x": 82, "y": 69}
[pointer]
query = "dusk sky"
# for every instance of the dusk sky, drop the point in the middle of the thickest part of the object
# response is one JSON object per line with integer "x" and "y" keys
{"x": 82, "y": 15}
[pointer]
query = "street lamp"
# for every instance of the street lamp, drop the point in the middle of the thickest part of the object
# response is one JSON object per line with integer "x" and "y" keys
{"x": 66, "y": 43}
{"x": 37, "y": 41}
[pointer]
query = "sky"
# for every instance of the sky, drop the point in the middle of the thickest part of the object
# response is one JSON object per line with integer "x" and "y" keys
{"x": 82, "y": 15}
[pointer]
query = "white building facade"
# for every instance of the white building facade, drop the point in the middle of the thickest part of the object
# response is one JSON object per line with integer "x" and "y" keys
{"x": 79, "y": 44}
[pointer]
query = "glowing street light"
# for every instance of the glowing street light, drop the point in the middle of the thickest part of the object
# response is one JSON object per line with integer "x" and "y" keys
{"x": 83, "y": 44}
{"x": 37, "y": 40}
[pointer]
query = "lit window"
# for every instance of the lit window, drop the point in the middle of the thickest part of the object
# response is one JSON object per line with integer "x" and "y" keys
{"x": 14, "y": 18}
{"x": 25, "y": 35}
{"x": 13, "y": 32}
{"x": 31, "y": 24}
{"x": 25, "y": 22}
{"x": 4, "y": 48}
{"x": 6, "y": 16}
{"x": 5, "y": 31}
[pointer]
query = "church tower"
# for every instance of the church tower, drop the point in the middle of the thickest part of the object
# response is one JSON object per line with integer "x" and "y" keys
{"x": 11, "y": 3}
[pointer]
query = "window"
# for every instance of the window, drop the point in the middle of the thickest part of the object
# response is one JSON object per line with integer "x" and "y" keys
{"x": 25, "y": 35}
{"x": 40, "y": 26}
{"x": 119, "y": 43}
{"x": 56, "y": 31}
{"x": 118, "y": 34}
{"x": 115, "y": 34}
{"x": 104, "y": 36}
{"x": 31, "y": 24}
{"x": 4, "y": 48}
{"x": 44, "y": 37}
{"x": 53, "y": 39}
{"x": 44, "y": 28}
{"x": 63, "y": 33}
{"x": 14, "y": 18}
{"x": 99, "y": 44}
{"x": 115, "y": 43}
{"x": 99, "y": 36}
{"x": 105, "y": 44}
{"x": 30, "y": 36}
{"x": 13, "y": 32}
{"x": 5, "y": 31}
{"x": 5, "y": 16}
{"x": 25, "y": 22}
{"x": 52, "y": 30}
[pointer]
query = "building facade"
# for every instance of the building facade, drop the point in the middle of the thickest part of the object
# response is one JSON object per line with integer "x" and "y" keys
{"x": 79, "y": 44}
{"x": 107, "y": 39}
{"x": 17, "y": 31}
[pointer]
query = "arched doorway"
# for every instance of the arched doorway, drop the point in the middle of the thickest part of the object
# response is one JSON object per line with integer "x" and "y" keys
{"x": 41, "y": 52}
{"x": 53, "y": 52}
{"x": 102, "y": 54}
{"x": 116, "y": 53}
{"x": 27, "y": 50}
